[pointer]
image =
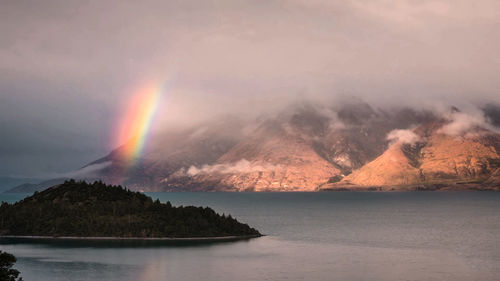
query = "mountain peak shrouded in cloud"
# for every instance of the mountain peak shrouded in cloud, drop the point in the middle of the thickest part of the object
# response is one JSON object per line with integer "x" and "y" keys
{"x": 309, "y": 145}
{"x": 67, "y": 67}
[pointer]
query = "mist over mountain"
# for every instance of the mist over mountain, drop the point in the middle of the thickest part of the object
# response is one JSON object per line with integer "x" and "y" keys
{"x": 308, "y": 146}
{"x": 67, "y": 70}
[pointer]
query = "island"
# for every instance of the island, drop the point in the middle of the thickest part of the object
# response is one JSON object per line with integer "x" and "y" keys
{"x": 77, "y": 209}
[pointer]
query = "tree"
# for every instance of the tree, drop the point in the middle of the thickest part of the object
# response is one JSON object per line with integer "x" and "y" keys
{"x": 96, "y": 210}
{"x": 7, "y": 273}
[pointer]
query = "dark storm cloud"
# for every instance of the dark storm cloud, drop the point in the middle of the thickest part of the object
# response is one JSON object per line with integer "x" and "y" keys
{"x": 67, "y": 66}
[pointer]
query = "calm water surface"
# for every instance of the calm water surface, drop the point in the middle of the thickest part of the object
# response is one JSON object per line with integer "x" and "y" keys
{"x": 311, "y": 236}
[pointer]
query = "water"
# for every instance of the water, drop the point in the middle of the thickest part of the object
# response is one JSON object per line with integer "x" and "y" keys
{"x": 310, "y": 236}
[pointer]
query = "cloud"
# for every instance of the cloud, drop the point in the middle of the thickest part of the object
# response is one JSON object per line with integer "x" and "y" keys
{"x": 65, "y": 65}
{"x": 403, "y": 136}
{"x": 334, "y": 122}
{"x": 464, "y": 123}
{"x": 86, "y": 172}
{"x": 242, "y": 166}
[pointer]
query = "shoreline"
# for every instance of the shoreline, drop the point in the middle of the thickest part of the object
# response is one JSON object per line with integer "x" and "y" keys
{"x": 193, "y": 239}
{"x": 410, "y": 188}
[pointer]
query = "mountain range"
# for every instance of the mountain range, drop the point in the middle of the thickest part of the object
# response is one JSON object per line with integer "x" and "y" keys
{"x": 310, "y": 146}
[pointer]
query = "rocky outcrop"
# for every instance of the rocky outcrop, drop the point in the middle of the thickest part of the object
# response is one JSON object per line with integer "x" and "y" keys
{"x": 391, "y": 168}
{"x": 494, "y": 179}
{"x": 437, "y": 159}
{"x": 278, "y": 163}
{"x": 457, "y": 158}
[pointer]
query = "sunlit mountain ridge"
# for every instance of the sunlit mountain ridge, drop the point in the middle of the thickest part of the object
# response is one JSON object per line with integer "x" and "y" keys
{"x": 310, "y": 146}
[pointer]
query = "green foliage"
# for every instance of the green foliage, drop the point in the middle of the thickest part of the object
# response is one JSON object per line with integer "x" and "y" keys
{"x": 100, "y": 210}
{"x": 7, "y": 273}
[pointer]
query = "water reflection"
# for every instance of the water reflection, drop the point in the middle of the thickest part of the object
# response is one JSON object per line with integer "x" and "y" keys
{"x": 333, "y": 236}
{"x": 115, "y": 243}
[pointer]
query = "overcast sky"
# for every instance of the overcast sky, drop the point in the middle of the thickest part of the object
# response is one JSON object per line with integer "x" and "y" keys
{"x": 66, "y": 67}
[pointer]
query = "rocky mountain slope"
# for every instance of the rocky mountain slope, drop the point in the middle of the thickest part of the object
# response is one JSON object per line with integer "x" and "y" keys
{"x": 273, "y": 157}
{"x": 307, "y": 147}
{"x": 467, "y": 160}
{"x": 298, "y": 150}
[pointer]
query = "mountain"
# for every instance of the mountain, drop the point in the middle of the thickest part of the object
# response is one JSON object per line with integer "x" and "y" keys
{"x": 310, "y": 146}
{"x": 32, "y": 187}
{"x": 298, "y": 150}
{"x": 172, "y": 151}
{"x": 276, "y": 156}
{"x": 492, "y": 113}
{"x": 7, "y": 183}
{"x": 437, "y": 160}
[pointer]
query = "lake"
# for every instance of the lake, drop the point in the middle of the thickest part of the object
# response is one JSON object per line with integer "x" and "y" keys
{"x": 310, "y": 236}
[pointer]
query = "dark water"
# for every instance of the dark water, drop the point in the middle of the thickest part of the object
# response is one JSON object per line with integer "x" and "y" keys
{"x": 311, "y": 236}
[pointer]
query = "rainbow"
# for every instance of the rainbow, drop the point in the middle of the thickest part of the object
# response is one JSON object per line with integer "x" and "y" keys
{"x": 136, "y": 121}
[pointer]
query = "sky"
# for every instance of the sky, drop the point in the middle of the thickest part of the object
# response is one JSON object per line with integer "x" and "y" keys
{"x": 68, "y": 68}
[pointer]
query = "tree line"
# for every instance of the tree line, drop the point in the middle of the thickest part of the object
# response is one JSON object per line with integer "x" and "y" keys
{"x": 78, "y": 208}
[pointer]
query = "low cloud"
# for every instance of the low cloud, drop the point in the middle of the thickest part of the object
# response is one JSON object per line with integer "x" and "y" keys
{"x": 403, "y": 136}
{"x": 86, "y": 172}
{"x": 334, "y": 122}
{"x": 242, "y": 166}
{"x": 461, "y": 123}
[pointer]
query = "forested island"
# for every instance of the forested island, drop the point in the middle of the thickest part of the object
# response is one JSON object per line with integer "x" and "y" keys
{"x": 81, "y": 209}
